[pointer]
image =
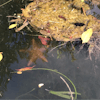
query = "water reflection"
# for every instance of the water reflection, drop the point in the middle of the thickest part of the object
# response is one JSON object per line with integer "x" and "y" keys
{"x": 24, "y": 47}
{"x": 35, "y": 52}
{"x": 4, "y": 78}
{"x": 9, "y": 49}
{"x": 16, "y": 47}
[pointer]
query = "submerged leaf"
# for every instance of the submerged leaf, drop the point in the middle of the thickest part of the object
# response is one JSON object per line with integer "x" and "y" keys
{"x": 12, "y": 26}
{"x": 86, "y": 35}
{"x": 60, "y": 94}
{"x": 63, "y": 94}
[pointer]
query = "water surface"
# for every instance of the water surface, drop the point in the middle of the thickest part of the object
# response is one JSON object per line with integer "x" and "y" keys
{"x": 18, "y": 50}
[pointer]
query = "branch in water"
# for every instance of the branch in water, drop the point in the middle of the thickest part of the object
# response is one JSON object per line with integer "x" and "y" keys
{"x": 21, "y": 27}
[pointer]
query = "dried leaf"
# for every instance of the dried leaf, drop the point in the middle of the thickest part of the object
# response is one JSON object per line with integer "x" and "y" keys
{"x": 25, "y": 69}
{"x": 86, "y": 35}
{"x": 44, "y": 40}
{"x": 12, "y": 26}
{"x": 1, "y": 56}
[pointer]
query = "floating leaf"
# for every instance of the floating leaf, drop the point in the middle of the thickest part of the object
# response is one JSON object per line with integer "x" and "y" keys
{"x": 25, "y": 69}
{"x": 82, "y": 0}
{"x": 1, "y": 56}
{"x": 86, "y": 35}
{"x": 19, "y": 72}
{"x": 12, "y": 26}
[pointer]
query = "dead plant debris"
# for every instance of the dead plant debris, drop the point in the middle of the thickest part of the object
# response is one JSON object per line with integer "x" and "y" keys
{"x": 63, "y": 20}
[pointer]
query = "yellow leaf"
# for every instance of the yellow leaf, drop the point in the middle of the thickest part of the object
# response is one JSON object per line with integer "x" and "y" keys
{"x": 12, "y": 26}
{"x": 86, "y": 35}
{"x": 19, "y": 72}
{"x": 1, "y": 56}
{"x": 82, "y": 0}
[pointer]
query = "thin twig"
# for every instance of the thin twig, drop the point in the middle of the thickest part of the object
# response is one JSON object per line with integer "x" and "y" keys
{"x": 25, "y": 93}
{"x": 68, "y": 87}
{"x": 5, "y": 3}
{"x": 80, "y": 48}
{"x": 97, "y": 47}
{"x": 57, "y": 46}
{"x": 12, "y": 16}
{"x": 21, "y": 27}
{"x": 30, "y": 34}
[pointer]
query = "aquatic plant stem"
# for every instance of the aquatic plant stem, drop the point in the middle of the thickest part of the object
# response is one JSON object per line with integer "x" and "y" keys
{"x": 68, "y": 87}
{"x": 60, "y": 74}
{"x": 5, "y": 3}
{"x": 25, "y": 93}
{"x": 57, "y": 46}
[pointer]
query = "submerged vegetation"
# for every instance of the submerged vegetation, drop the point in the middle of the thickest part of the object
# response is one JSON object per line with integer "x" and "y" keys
{"x": 66, "y": 21}
{"x": 63, "y": 20}
{"x": 63, "y": 94}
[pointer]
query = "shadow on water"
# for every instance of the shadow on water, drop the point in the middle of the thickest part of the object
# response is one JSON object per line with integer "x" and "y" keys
{"x": 23, "y": 50}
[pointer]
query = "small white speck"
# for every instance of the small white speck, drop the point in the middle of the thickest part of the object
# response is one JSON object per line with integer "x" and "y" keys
{"x": 40, "y": 85}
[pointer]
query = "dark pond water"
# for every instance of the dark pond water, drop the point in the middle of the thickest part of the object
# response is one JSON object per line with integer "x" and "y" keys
{"x": 23, "y": 50}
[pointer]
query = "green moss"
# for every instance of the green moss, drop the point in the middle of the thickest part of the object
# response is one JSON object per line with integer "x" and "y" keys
{"x": 61, "y": 15}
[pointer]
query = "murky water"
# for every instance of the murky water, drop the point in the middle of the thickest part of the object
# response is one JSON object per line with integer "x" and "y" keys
{"x": 23, "y": 50}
